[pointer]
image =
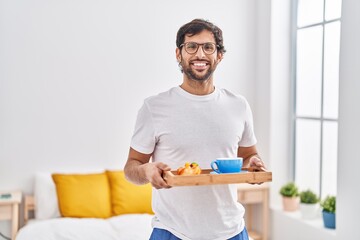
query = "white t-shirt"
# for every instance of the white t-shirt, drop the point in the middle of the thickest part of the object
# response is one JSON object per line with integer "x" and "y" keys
{"x": 179, "y": 127}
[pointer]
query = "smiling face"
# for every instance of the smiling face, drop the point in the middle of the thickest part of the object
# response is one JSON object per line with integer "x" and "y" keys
{"x": 198, "y": 66}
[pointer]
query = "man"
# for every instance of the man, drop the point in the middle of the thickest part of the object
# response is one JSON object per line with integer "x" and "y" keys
{"x": 193, "y": 122}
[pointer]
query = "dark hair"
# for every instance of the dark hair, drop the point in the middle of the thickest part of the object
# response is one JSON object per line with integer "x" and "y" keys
{"x": 196, "y": 26}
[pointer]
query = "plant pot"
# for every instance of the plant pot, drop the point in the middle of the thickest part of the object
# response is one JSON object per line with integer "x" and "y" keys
{"x": 329, "y": 219}
{"x": 291, "y": 204}
{"x": 309, "y": 210}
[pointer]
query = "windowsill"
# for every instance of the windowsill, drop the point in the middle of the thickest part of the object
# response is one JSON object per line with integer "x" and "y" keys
{"x": 313, "y": 225}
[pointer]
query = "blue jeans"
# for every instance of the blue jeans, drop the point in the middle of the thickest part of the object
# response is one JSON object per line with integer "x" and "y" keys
{"x": 162, "y": 234}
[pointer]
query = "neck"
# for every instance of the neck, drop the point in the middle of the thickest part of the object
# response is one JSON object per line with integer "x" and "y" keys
{"x": 198, "y": 87}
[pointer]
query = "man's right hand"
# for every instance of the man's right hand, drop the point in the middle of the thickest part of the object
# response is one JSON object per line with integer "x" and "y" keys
{"x": 154, "y": 172}
{"x": 139, "y": 170}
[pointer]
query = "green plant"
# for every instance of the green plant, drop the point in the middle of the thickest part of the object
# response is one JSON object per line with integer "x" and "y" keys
{"x": 308, "y": 197}
{"x": 329, "y": 204}
{"x": 289, "y": 190}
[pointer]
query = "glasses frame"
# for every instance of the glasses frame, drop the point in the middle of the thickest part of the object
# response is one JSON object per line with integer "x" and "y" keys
{"x": 202, "y": 46}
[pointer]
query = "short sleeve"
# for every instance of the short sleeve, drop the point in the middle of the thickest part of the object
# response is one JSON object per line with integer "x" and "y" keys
{"x": 248, "y": 138}
{"x": 143, "y": 139}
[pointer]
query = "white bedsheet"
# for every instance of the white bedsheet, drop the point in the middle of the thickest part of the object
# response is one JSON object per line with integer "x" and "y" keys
{"x": 123, "y": 227}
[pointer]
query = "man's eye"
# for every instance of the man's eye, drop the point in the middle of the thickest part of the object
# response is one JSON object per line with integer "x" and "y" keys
{"x": 191, "y": 46}
{"x": 209, "y": 47}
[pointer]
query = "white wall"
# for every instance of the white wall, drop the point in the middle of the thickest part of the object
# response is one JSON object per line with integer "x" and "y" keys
{"x": 348, "y": 196}
{"x": 272, "y": 88}
{"x": 74, "y": 73}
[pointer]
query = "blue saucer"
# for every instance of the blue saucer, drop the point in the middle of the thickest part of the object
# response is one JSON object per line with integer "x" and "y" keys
{"x": 244, "y": 171}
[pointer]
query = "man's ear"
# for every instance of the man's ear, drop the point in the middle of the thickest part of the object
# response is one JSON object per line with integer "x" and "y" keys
{"x": 220, "y": 57}
{"x": 178, "y": 55}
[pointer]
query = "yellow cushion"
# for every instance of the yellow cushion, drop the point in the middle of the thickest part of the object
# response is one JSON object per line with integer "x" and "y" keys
{"x": 127, "y": 197}
{"x": 83, "y": 195}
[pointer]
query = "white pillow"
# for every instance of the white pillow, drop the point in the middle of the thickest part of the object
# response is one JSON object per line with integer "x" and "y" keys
{"x": 46, "y": 203}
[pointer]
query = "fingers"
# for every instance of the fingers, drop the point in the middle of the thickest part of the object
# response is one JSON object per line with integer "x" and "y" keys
{"x": 256, "y": 162}
{"x": 163, "y": 166}
{"x": 154, "y": 175}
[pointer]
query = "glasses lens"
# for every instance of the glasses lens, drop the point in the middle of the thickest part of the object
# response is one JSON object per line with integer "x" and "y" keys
{"x": 209, "y": 48}
{"x": 191, "y": 47}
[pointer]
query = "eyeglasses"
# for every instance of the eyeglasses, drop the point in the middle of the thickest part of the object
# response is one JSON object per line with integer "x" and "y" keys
{"x": 192, "y": 47}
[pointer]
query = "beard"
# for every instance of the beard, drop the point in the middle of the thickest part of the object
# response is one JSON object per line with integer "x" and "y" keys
{"x": 191, "y": 74}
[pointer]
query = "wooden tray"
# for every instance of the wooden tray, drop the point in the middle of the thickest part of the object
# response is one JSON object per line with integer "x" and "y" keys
{"x": 250, "y": 175}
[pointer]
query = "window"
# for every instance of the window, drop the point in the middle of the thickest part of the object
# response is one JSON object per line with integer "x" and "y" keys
{"x": 316, "y": 94}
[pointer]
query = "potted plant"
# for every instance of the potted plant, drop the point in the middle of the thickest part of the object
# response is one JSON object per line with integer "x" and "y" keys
{"x": 290, "y": 196}
{"x": 329, "y": 208}
{"x": 309, "y": 204}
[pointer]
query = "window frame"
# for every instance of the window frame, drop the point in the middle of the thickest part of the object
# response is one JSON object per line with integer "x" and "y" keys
{"x": 293, "y": 101}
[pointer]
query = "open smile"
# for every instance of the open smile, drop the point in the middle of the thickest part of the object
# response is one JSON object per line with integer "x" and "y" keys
{"x": 199, "y": 65}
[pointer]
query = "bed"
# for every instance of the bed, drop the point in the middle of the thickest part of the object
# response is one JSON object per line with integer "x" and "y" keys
{"x": 71, "y": 207}
{"x": 129, "y": 217}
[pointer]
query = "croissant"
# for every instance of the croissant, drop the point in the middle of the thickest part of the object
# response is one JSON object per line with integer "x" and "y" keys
{"x": 189, "y": 169}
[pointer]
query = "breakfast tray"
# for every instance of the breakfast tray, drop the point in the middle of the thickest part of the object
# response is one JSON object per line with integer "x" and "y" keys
{"x": 208, "y": 177}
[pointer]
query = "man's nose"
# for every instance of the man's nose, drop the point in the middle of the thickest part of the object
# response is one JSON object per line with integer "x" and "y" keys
{"x": 200, "y": 52}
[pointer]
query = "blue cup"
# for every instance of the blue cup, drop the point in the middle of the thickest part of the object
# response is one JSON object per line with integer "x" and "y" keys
{"x": 227, "y": 165}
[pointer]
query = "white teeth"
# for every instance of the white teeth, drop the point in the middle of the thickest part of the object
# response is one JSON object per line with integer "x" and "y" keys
{"x": 199, "y": 64}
